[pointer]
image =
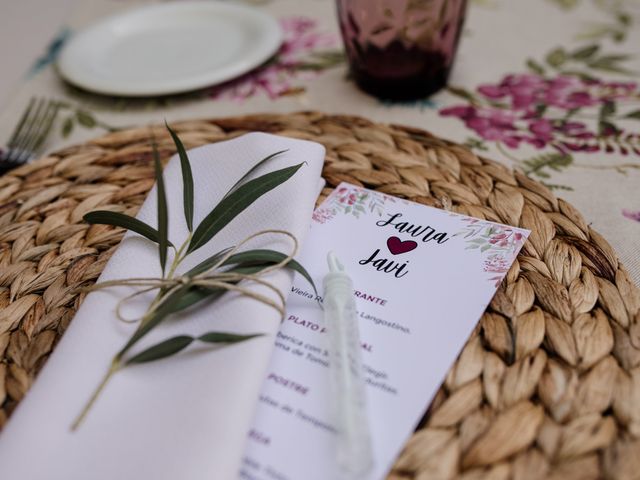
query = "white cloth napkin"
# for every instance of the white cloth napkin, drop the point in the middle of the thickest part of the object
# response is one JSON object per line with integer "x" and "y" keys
{"x": 186, "y": 417}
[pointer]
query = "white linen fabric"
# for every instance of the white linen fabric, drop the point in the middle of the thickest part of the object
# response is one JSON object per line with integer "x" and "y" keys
{"x": 186, "y": 417}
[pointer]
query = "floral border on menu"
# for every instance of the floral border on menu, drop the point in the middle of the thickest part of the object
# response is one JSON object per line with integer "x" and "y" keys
{"x": 496, "y": 244}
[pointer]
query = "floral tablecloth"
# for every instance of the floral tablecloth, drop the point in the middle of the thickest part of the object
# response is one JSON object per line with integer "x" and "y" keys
{"x": 550, "y": 87}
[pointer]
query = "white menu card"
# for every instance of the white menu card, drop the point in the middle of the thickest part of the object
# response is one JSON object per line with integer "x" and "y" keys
{"x": 422, "y": 277}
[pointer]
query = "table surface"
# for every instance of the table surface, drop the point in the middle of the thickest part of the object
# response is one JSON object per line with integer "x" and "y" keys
{"x": 31, "y": 24}
{"x": 517, "y": 57}
{"x": 581, "y": 67}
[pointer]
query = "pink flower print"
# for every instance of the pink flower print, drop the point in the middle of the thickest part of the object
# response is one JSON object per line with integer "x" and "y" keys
{"x": 494, "y": 92}
{"x": 616, "y": 90}
{"x": 523, "y": 81}
{"x": 628, "y": 87}
{"x": 524, "y": 90}
{"x": 569, "y": 100}
{"x": 542, "y": 130}
{"x": 496, "y": 264}
{"x": 494, "y": 128}
{"x": 631, "y": 214}
{"x": 490, "y": 124}
{"x": 322, "y": 215}
{"x": 297, "y": 25}
{"x": 566, "y": 92}
{"x": 563, "y": 83}
{"x": 575, "y": 130}
{"x": 301, "y": 39}
{"x": 521, "y": 88}
{"x": 572, "y": 146}
{"x": 528, "y": 108}
{"x": 461, "y": 111}
{"x": 528, "y": 90}
{"x": 497, "y": 238}
{"x": 609, "y": 130}
{"x": 347, "y": 199}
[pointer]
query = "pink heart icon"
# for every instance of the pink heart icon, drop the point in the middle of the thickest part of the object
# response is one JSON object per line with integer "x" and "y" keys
{"x": 397, "y": 246}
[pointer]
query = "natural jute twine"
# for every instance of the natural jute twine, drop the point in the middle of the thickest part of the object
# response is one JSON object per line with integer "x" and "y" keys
{"x": 214, "y": 277}
{"x": 548, "y": 385}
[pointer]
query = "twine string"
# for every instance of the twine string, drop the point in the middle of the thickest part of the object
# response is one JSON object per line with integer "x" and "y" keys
{"x": 210, "y": 278}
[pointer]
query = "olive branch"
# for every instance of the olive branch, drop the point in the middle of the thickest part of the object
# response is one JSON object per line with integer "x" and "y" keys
{"x": 210, "y": 279}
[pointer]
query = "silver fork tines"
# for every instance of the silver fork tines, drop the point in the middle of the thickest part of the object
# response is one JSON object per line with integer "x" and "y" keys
{"x": 30, "y": 133}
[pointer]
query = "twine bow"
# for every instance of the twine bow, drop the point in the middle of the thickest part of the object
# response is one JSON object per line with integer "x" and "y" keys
{"x": 209, "y": 279}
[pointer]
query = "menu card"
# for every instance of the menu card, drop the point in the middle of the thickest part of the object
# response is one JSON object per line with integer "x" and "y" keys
{"x": 422, "y": 278}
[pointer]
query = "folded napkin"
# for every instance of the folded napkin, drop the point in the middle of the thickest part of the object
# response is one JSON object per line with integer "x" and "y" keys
{"x": 186, "y": 417}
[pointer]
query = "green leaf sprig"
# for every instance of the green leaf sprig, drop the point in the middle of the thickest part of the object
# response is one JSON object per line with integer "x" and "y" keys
{"x": 211, "y": 278}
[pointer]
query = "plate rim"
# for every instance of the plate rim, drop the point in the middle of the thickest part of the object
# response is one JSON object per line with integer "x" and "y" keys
{"x": 268, "y": 48}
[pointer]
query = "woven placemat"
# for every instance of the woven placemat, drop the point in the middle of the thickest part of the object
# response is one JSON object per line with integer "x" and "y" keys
{"x": 548, "y": 385}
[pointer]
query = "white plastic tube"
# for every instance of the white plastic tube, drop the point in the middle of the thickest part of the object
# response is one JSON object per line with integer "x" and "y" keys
{"x": 354, "y": 452}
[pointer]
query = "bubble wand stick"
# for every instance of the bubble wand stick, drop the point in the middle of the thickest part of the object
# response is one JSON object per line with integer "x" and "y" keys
{"x": 355, "y": 456}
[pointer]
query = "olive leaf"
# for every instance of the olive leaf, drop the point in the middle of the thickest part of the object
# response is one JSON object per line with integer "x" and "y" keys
{"x": 269, "y": 257}
{"x": 163, "y": 216}
{"x": 585, "y": 53}
{"x": 187, "y": 179}
{"x": 250, "y": 264}
{"x": 173, "y": 345}
{"x": 607, "y": 128}
{"x": 236, "y": 202}
{"x": 635, "y": 115}
{"x": 208, "y": 263}
{"x": 608, "y": 109}
{"x": 534, "y": 66}
{"x": 251, "y": 170}
{"x": 246, "y": 263}
{"x": 624, "y": 18}
{"x": 609, "y": 63}
{"x": 323, "y": 60}
{"x": 462, "y": 93}
{"x": 556, "y": 57}
{"x": 181, "y": 298}
{"x": 161, "y": 350}
{"x": 155, "y": 317}
{"x": 581, "y": 75}
{"x": 85, "y": 119}
{"x": 106, "y": 217}
{"x": 196, "y": 294}
{"x": 250, "y": 257}
{"x": 539, "y": 164}
{"x": 67, "y": 127}
{"x": 228, "y": 338}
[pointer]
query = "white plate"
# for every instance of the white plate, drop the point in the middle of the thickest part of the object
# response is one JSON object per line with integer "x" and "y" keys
{"x": 169, "y": 48}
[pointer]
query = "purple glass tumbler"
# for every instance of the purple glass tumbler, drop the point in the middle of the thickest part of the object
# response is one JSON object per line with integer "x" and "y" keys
{"x": 401, "y": 49}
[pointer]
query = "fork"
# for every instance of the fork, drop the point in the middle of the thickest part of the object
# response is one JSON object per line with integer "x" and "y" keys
{"x": 30, "y": 133}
